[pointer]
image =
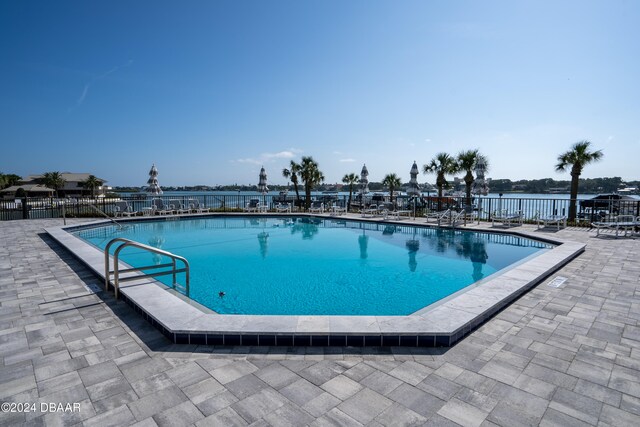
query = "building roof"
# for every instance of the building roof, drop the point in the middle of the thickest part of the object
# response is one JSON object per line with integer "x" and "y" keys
{"x": 67, "y": 176}
{"x": 29, "y": 188}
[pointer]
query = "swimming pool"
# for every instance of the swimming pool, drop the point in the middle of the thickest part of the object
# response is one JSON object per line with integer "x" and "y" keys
{"x": 319, "y": 266}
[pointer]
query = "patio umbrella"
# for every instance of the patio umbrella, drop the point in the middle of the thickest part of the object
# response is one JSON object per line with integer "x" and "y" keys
{"x": 262, "y": 182}
{"x": 153, "y": 186}
{"x": 480, "y": 186}
{"x": 414, "y": 188}
{"x": 364, "y": 182}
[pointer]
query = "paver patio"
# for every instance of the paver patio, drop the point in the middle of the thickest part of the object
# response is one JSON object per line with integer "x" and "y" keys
{"x": 556, "y": 356}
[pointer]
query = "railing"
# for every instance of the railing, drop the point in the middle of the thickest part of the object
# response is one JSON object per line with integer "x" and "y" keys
{"x": 117, "y": 271}
{"x": 484, "y": 207}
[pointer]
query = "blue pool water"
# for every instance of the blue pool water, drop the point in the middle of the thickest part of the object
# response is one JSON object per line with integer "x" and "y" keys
{"x": 313, "y": 266}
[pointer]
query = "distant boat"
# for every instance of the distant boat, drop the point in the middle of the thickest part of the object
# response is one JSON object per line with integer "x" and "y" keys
{"x": 627, "y": 190}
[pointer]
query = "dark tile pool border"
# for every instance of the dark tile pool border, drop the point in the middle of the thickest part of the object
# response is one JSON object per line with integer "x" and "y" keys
{"x": 443, "y": 326}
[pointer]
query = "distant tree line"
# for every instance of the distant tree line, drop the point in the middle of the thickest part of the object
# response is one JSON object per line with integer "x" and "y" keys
{"x": 545, "y": 185}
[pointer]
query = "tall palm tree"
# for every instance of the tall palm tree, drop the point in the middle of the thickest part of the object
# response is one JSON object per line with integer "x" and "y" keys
{"x": 53, "y": 180}
{"x": 292, "y": 174}
{"x": 311, "y": 176}
{"x": 578, "y": 157}
{"x": 91, "y": 183}
{"x": 467, "y": 161}
{"x": 350, "y": 179}
{"x": 7, "y": 180}
{"x": 392, "y": 181}
{"x": 442, "y": 164}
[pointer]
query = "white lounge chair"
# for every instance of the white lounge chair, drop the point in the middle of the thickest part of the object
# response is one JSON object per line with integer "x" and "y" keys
{"x": 338, "y": 209}
{"x": 178, "y": 207}
{"x": 547, "y": 220}
{"x": 507, "y": 218}
{"x": 438, "y": 217}
{"x": 621, "y": 222}
{"x": 371, "y": 210}
{"x": 123, "y": 208}
{"x": 195, "y": 206}
{"x": 158, "y": 207}
{"x": 252, "y": 206}
{"x": 283, "y": 207}
{"x": 316, "y": 207}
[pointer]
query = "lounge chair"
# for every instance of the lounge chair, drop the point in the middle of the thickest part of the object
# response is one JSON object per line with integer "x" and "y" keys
{"x": 338, "y": 209}
{"x": 178, "y": 207}
{"x": 316, "y": 207}
{"x": 621, "y": 222}
{"x": 507, "y": 218}
{"x": 158, "y": 207}
{"x": 123, "y": 208}
{"x": 196, "y": 207}
{"x": 439, "y": 217}
{"x": 547, "y": 220}
{"x": 372, "y": 210}
{"x": 252, "y": 206}
{"x": 391, "y": 210}
{"x": 283, "y": 207}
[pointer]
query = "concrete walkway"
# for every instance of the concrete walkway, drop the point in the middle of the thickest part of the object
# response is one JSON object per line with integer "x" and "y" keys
{"x": 557, "y": 356}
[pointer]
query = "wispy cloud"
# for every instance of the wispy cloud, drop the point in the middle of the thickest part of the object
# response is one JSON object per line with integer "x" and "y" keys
{"x": 270, "y": 157}
{"x": 85, "y": 90}
{"x": 347, "y": 160}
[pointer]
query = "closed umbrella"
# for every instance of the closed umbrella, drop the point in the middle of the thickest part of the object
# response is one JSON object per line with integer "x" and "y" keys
{"x": 480, "y": 186}
{"x": 414, "y": 188}
{"x": 153, "y": 187}
{"x": 364, "y": 183}
{"x": 262, "y": 185}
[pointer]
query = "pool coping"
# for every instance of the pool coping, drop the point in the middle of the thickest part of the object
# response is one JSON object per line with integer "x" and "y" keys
{"x": 444, "y": 325}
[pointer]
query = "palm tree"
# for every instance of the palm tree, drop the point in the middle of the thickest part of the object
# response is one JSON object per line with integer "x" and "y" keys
{"x": 292, "y": 173}
{"x": 578, "y": 157}
{"x": 91, "y": 183}
{"x": 467, "y": 161}
{"x": 7, "y": 180}
{"x": 310, "y": 175}
{"x": 442, "y": 164}
{"x": 392, "y": 181}
{"x": 350, "y": 179}
{"x": 53, "y": 180}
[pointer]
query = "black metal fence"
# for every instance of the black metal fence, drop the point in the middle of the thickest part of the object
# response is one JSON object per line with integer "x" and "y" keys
{"x": 486, "y": 207}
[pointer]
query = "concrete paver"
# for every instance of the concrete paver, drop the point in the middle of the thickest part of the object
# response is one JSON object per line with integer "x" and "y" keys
{"x": 555, "y": 356}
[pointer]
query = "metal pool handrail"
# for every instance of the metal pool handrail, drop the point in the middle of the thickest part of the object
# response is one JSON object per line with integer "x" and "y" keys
{"x": 116, "y": 268}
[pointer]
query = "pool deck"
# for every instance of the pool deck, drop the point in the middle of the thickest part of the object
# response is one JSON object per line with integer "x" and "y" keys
{"x": 439, "y": 325}
{"x": 555, "y": 356}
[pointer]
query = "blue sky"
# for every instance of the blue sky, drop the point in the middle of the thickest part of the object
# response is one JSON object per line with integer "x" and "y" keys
{"x": 210, "y": 91}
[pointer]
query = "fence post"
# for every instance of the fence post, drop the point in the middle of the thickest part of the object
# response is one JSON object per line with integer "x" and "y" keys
{"x": 25, "y": 209}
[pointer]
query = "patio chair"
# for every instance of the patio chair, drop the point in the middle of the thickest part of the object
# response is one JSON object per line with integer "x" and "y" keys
{"x": 391, "y": 210}
{"x": 123, "y": 208}
{"x": 196, "y": 207}
{"x": 178, "y": 207}
{"x": 316, "y": 207}
{"x": 283, "y": 208}
{"x": 371, "y": 210}
{"x": 252, "y": 206}
{"x": 507, "y": 218}
{"x": 438, "y": 217}
{"x": 338, "y": 209}
{"x": 158, "y": 207}
{"x": 547, "y": 220}
{"x": 621, "y": 222}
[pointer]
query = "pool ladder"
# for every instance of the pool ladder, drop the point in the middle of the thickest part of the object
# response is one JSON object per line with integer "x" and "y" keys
{"x": 117, "y": 271}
